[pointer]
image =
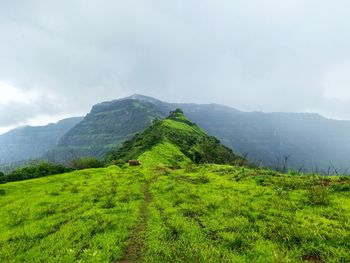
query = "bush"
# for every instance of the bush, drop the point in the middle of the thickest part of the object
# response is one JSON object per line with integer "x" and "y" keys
{"x": 2, "y": 192}
{"x": 318, "y": 195}
{"x": 34, "y": 171}
{"x": 341, "y": 187}
{"x": 86, "y": 163}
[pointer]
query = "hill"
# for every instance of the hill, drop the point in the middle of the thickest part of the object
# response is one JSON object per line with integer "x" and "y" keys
{"x": 311, "y": 142}
{"x": 105, "y": 127}
{"x": 32, "y": 142}
{"x": 155, "y": 213}
{"x": 188, "y": 141}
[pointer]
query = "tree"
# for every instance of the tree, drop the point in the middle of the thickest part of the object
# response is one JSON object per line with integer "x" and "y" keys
{"x": 86, "y": 163}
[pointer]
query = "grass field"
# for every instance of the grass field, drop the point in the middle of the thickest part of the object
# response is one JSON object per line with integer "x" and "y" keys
{"x": 207, "y": 213}
{"x": 85, "y": 215}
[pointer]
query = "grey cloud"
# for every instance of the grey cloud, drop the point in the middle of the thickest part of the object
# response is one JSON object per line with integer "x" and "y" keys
{"x": 253, "y": 55}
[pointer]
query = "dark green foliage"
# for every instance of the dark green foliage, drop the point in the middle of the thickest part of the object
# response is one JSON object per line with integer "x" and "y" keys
{"x": 341, "y": 187}
{"x": 181, "y": 132}
{"x": 86, "y": 163}
{"x": 34, "y": 171}
{"x": 318, "y": 195}
{"x": 2, "y": 192}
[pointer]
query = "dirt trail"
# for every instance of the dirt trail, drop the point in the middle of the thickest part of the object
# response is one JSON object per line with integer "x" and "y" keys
{"x": 136, "y": 242}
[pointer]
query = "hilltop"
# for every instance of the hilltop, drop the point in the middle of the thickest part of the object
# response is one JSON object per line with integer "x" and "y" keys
{"x": 176, "y": 140}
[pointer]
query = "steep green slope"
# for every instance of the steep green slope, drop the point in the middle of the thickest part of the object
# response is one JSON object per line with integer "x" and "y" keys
{"x": 178, "y": 131}
{"x": 105, "y": 127}
{"x": 32, "y": 142}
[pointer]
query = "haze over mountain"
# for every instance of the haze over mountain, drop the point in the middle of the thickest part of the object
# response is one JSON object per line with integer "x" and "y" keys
{"x": 29, "y": 142}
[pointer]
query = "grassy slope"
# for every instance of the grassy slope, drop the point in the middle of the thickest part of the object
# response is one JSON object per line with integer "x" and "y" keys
{"x": 192, "y": 143}
{"x": 198, "y": 213}
{"x": 81, "y": 215}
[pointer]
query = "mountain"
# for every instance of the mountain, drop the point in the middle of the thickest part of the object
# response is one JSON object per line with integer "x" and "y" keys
{"x": 106, "y": 126}
{"x": 32, "y": 142}
{"x": 300, "y": 141}
{"x": 308, "y": 141}
{"x": 175, "y": 140}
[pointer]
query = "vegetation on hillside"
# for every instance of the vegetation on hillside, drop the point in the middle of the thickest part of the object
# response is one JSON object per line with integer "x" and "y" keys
{"x": 176, "y": 129}
{"x": 201, "y": 213}
{"x": 85, "y": 163}
{"x": 34, "y": 170}
{"x": 104, "y": 128}
{"x": 176, "y": 207}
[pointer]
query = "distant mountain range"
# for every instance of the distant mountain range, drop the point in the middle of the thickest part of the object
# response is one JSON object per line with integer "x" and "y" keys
{"x": 297, "y": 140}
{"x": 30, "y": 142}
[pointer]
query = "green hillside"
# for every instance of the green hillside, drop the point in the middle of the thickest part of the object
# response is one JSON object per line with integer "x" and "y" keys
{"x": 205, "y": 213}
{"x": 193, "y": 143}
{"x": 175, "y": 208}
{"x": 105, "y": 127}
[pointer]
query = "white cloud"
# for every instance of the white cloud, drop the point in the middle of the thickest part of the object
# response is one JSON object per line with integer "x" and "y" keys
{"x": 254, "y": 55}
{"x": 10, "y": 94}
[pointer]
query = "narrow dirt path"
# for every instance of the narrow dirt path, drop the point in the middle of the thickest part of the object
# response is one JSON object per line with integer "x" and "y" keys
{"x": 136, "y": 242}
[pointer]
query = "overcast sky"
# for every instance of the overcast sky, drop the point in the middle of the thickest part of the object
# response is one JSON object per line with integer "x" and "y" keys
{"x": 58, "y": 58}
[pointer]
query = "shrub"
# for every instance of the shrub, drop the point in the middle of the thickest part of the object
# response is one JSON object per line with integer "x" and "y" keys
{"x": 341, "y": 187}
{"x": 34, "y": 171}
{"x": 86, "y": 163}
{"x": 318, "y": 195}
{"x": 2, "y": 192}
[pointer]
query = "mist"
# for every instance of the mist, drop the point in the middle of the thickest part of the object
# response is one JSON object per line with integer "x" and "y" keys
{"x": 58, "y": 59}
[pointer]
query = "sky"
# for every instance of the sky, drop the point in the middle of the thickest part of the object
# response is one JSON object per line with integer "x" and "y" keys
{"x": 58, "y": 58}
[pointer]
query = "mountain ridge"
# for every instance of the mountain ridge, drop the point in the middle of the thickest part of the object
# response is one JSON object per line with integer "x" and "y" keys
{"x": 189, "y": 144}
{"x": 309, "y": 142}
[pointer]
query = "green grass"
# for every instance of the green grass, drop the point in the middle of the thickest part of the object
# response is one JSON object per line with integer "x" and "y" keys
{"x": 226, "y": 214}
{"x": 85, "y": 215}
{"x": 206, "y": 213}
